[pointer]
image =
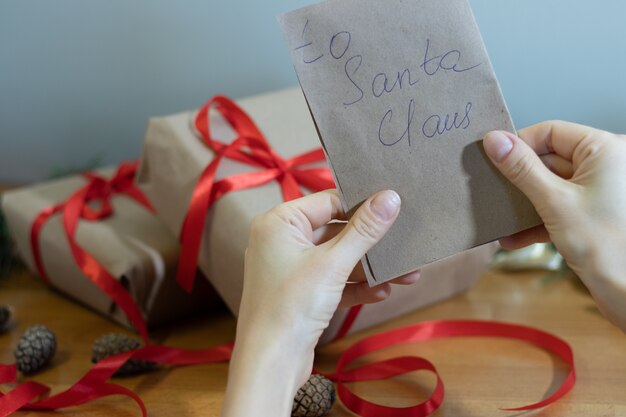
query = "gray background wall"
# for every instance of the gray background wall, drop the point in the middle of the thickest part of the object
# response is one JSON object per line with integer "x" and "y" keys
{"x": 79, "y": 78}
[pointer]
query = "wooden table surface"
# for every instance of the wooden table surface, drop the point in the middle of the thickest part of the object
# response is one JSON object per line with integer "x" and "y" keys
{"x": 481, "y": 375}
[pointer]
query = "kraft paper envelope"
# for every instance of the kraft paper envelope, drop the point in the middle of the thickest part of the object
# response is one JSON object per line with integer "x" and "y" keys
{"x": 401, "y": 93}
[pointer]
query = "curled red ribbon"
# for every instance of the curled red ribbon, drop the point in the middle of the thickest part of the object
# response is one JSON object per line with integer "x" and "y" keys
{"x": 93, "y": 384}
{"x": 429, "y": 331}
{"x": 251, "y": 148}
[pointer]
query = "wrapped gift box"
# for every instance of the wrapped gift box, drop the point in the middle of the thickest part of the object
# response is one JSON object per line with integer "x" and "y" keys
{"x": 174, "y": 157}
{"x": 132, "y": 244}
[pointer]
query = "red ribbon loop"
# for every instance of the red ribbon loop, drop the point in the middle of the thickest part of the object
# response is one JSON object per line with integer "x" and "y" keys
{"x": 251, "y": 148}
{"x": 429, "y": 331}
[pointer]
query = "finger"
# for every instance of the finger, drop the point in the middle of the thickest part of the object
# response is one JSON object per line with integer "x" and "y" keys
{"x": 314, "y": 209}
{"x": 358, "y": 275}
{"x": 555, "y": 136}
{"x": 559, "y": 165}
{"x": 327, "y": 232}
{"x": 408, "y": 279}
{"x": 367, "y": 226}
{"x": 519, "y": 163}
{"x": 537, "y": 234}
{"x": 361, "y": 293}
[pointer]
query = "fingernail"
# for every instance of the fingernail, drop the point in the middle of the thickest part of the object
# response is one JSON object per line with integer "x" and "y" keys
{"x": 413, "y": 277}
{"x": 497, "y": 145}
{"x": 383, "y": 291}
{"x": 385, "y": 205}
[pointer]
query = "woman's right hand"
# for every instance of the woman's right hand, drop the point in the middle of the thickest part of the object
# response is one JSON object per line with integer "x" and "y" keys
{"x": 575, "y": 176}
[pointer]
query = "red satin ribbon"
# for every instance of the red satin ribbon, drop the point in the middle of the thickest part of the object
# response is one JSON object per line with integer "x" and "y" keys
{"x": 429, "y": 331}
{"x": 77, "y": 207}
{"x": 93, "y": 385}
{"x": 348, "y": 321}
{"x": 251, "y": 148}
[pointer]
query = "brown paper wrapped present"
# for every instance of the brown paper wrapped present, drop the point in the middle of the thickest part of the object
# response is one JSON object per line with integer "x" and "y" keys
{"x": 173, "y": 158}
{"x": 131, "y": 243}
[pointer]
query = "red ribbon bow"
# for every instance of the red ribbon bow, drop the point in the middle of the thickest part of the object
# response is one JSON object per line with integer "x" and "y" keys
{"x": 251, "y": 148}
{"x": 77, "y": 207}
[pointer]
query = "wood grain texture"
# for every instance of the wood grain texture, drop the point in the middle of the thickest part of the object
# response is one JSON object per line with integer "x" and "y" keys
{"x": 481, "y": 375}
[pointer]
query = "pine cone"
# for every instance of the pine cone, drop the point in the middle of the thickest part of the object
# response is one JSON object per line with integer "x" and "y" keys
{"x": 115, "y": 343}
{"x": 5, "y": 316}
{"x": 315, "y": 398}
{"x": 35, "y": 349}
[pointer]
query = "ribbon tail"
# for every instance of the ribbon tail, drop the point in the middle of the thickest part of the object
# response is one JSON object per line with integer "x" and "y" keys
{"x": 93, "y": 384}
{"x": 35, "y": 231}
{"x": 95, "y": 271}
{"x": 348, "y": 321}
{"x": 289, "y": 187}
{"x": 175, "y": 356}
{"x": 193, "y": 226}
{"x": 82, "y": 394}
{"x": 20, "y": 397}
{"x": 430, "y": 331}
{"x": 565, "y": 387}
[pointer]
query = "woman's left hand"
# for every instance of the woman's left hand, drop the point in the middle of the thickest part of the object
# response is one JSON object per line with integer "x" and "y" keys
{"x": 299, "y": 268}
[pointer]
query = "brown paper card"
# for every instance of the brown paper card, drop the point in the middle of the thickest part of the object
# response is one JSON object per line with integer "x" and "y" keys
{"x": 401, "y": 93}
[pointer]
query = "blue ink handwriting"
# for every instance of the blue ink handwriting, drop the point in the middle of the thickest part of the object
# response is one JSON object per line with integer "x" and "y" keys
{"x": 433, "y": 125}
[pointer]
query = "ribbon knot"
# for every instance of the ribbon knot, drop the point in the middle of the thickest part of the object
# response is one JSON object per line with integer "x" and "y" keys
{"x": 250, "y": 148}
{"x": 101, "y": 190}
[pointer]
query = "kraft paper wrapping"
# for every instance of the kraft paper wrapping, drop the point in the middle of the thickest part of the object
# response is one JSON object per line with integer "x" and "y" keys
{"x": 132, "y": 244}
{"x": 173, "y": 158}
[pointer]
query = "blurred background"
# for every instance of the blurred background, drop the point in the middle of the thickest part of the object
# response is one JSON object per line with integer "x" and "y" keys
{"x": 79, "y": 78}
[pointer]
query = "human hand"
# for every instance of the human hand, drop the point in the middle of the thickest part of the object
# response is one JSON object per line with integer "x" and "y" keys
{"x": 575, "y": 176}
{"x": 296, "y": 272}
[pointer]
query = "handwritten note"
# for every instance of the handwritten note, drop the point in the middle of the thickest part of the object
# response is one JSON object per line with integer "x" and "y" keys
{"x": 401, "y": 92}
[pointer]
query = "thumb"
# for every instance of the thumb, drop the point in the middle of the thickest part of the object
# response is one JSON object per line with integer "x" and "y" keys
{"x": 367, "y": 226}
{"x": 520, "y": 164}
